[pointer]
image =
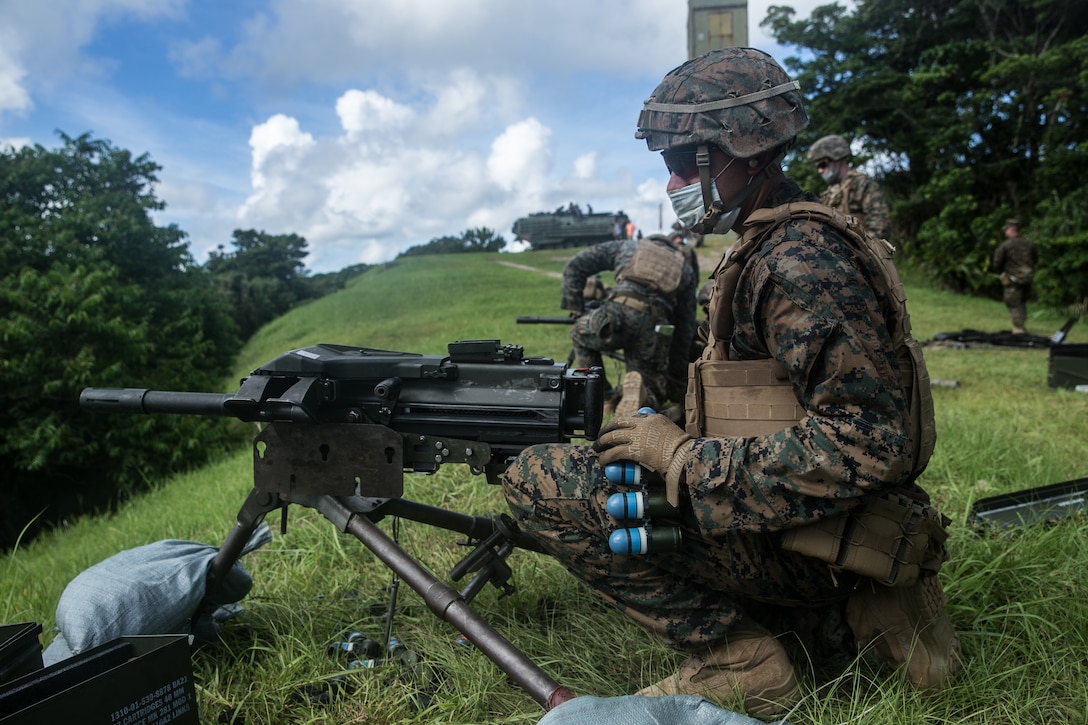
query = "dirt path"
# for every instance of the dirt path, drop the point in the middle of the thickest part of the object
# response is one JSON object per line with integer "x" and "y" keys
{"x": 527, "y": 268}
{"x": 708, "y": 259}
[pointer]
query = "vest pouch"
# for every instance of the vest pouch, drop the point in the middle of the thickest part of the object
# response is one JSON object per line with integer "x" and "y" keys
{"x": 655, "y": 266}
{"x": 891, "y": 538}
{"x": 739, "y": 398}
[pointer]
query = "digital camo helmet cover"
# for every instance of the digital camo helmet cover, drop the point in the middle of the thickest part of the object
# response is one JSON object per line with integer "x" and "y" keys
{"x": 829, "y": 147}
{"x": 739, "y": 99}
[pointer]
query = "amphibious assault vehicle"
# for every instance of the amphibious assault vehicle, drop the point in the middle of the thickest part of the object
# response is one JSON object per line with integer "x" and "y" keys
{"x": 569, "y": 226}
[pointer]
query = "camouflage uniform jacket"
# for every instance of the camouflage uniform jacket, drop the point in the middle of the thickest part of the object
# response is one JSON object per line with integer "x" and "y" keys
{"x": 861, "y": 197}
{"x": 679, "y": 307}
{"x": 804, "y": 298}
{"x": 1015, "y": 259}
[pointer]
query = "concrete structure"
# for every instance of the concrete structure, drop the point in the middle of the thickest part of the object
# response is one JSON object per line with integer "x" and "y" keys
{"x": 716, "y": 24}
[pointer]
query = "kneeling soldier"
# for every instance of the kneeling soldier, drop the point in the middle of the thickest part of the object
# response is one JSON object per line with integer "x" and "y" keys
{"x": 808, "y": 419}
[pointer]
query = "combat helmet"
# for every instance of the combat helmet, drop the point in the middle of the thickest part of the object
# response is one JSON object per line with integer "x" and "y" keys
{"x": 829, "y": 147}
{"x": 738, "y": 99}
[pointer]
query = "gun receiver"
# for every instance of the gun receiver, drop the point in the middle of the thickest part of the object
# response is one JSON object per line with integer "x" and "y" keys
{"x": 482, "y": 392}
{"x": 344, "y": 423}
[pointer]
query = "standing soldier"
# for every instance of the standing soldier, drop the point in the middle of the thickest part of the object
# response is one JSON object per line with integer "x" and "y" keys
{"x": 809, "y": 418}
{"x": 1014, "y": 260}
{"x": 849, "y": 190}
{"x": 654, "y": 287}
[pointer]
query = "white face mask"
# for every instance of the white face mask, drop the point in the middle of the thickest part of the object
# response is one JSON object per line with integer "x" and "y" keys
{"x": 830, "y": 175}
{"x": 687, "y": 203}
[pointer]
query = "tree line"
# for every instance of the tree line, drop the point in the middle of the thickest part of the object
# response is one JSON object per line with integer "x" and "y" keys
{"x": 480, "y": 239}
{"x": 971, "y": 111}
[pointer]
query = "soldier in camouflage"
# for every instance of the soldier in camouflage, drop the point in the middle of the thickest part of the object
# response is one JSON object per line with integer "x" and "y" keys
{"x": 849, "y": 190}
{"x": 1014, "y": 260}
{"x": 654, "y": 286}
{"x": 803, "y": 300}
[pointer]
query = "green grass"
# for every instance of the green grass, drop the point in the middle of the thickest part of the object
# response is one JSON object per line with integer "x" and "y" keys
{"x": 1018, "y": 600}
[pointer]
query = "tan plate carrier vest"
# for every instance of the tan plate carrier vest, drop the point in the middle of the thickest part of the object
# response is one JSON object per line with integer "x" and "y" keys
{"x": 892, "y": 538}
{"x": 655, "y": 266}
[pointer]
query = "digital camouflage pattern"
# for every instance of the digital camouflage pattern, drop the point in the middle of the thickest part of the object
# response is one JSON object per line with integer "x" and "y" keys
{"x": 829, "y": 147}
{"x": 825, "y": 312}
{"x": 861, "y": 197}
{"x": 804, "y": 299}
{"x": 613, "y": 326}
{"x": 739, "y": 99}
{"x": 688, "y": 598}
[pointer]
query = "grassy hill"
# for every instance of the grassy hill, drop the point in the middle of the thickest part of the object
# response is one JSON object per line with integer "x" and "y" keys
{"x": 1017, "y": 599}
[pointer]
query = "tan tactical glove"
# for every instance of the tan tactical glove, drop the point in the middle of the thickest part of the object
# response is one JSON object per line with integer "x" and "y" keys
{"x": 652, "y": 441}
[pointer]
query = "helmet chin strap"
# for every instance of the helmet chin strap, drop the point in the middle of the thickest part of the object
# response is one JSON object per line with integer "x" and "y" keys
{"x": 715, "y": 209}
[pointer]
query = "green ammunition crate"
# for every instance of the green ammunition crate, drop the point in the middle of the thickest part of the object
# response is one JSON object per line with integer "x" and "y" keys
{"x": 144, "y": 680}
{"x": 1068, "y": 366}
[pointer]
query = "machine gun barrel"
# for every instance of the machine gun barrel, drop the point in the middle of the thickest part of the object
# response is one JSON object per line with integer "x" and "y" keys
{"x": 141, "y": 400}
{"x": 545, "y": 320}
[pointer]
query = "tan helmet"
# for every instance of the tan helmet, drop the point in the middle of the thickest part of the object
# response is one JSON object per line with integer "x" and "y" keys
{"x": 738, "y": 99}
{"x": 829, "y": 147}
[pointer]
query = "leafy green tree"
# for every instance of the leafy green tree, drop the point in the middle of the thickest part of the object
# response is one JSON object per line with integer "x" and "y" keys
{"x": 93, "y": 293}
{"x": 480, "y": 239}
{"x": 973, "y": 111}
{"x": 258, "y": 254}
{"x": 328, "y": 282}
{"x": 262, "y": 278}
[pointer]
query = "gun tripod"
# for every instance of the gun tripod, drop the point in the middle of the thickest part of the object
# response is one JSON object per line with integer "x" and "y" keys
{"x": 345, "y": 423}
{"x": 492, "y": 541}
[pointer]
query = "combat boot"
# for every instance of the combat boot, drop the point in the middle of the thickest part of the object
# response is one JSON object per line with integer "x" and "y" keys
{"x": 907, "y": 629}
{"x": 751, "y": 666}
{"x": 634, "y": 397}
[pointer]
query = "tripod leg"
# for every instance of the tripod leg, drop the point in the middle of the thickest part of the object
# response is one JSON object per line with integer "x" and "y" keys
{"x": 256, "y": 505}
{"x": 446, "y": 603}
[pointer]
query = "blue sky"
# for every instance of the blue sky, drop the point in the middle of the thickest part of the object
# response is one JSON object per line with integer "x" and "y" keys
{"x": 365, "y": 126}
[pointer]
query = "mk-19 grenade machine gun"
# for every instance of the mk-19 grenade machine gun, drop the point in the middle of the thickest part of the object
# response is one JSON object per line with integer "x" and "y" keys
{"x": 343, "y": 424}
